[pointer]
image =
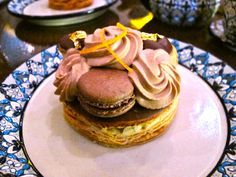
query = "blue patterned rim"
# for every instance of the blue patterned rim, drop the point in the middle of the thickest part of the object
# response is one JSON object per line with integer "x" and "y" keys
{"x": 18, "y": 88}
{"x": 16, "y": 7}
{"x": 185, "y": 12}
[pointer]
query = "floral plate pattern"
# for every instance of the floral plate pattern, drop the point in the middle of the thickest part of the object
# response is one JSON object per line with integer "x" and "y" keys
{"x": 18, "y": 88}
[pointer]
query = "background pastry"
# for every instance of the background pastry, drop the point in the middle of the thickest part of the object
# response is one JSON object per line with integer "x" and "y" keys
{"x": 69, "y": 4}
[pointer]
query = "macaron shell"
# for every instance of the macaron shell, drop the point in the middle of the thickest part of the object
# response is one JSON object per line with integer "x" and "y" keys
{"x": 105, "y": 86}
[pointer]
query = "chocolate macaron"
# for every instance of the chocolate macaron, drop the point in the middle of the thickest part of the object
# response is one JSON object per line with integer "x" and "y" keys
{"x": 106, "y": 92}
{"x": 162, "y": 43}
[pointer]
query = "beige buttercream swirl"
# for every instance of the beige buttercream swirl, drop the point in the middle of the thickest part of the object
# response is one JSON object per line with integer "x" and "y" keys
{"x": 67, "y": 75}
{"x": 156, "y": 80}
{"x": 127, "y": 48}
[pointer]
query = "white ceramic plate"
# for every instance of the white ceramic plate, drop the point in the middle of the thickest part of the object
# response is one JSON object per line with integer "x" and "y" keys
{"x": 200, "y": 142}
{"x": 37, "y": 11}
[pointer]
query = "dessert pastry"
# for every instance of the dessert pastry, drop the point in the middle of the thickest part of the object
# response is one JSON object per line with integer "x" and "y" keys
{"x": 118, "y": 89}
{"x": 68, "y": 4}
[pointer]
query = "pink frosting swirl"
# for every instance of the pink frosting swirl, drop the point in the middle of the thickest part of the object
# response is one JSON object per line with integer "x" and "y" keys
{"x": 155, "y": 78}
{"x": 127, "y": 48}
{"x": 68, "y": 73}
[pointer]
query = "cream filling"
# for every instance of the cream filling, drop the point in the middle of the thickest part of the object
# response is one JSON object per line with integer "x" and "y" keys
{"x": 124, "y": 132}
{"x": 130, "y": 130}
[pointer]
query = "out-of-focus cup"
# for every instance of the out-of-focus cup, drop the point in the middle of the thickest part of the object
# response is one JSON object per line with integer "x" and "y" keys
{"x": 184, "y": 12}
{"x": 229, "y": 22}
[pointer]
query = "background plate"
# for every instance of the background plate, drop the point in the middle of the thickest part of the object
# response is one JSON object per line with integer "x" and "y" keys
{"x": 16, "y": 97}
{"x": 37, "y": 11}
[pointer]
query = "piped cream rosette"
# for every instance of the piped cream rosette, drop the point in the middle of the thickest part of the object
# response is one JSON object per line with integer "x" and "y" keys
{"x": 155, "y": 78}
{"x": 68, "y": 75}
{"x": 126, "y": 47}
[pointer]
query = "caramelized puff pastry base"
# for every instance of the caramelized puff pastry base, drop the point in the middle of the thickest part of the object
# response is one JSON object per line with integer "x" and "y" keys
{"x": 80, "y": 122}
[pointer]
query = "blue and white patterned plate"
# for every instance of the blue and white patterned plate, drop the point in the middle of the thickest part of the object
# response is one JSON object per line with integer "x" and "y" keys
{"x": 37, "y": 11}
{"x": 35, "y": 140}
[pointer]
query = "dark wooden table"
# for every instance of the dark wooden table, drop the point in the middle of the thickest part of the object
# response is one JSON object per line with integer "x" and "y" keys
{"x": 20, "y": 40}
